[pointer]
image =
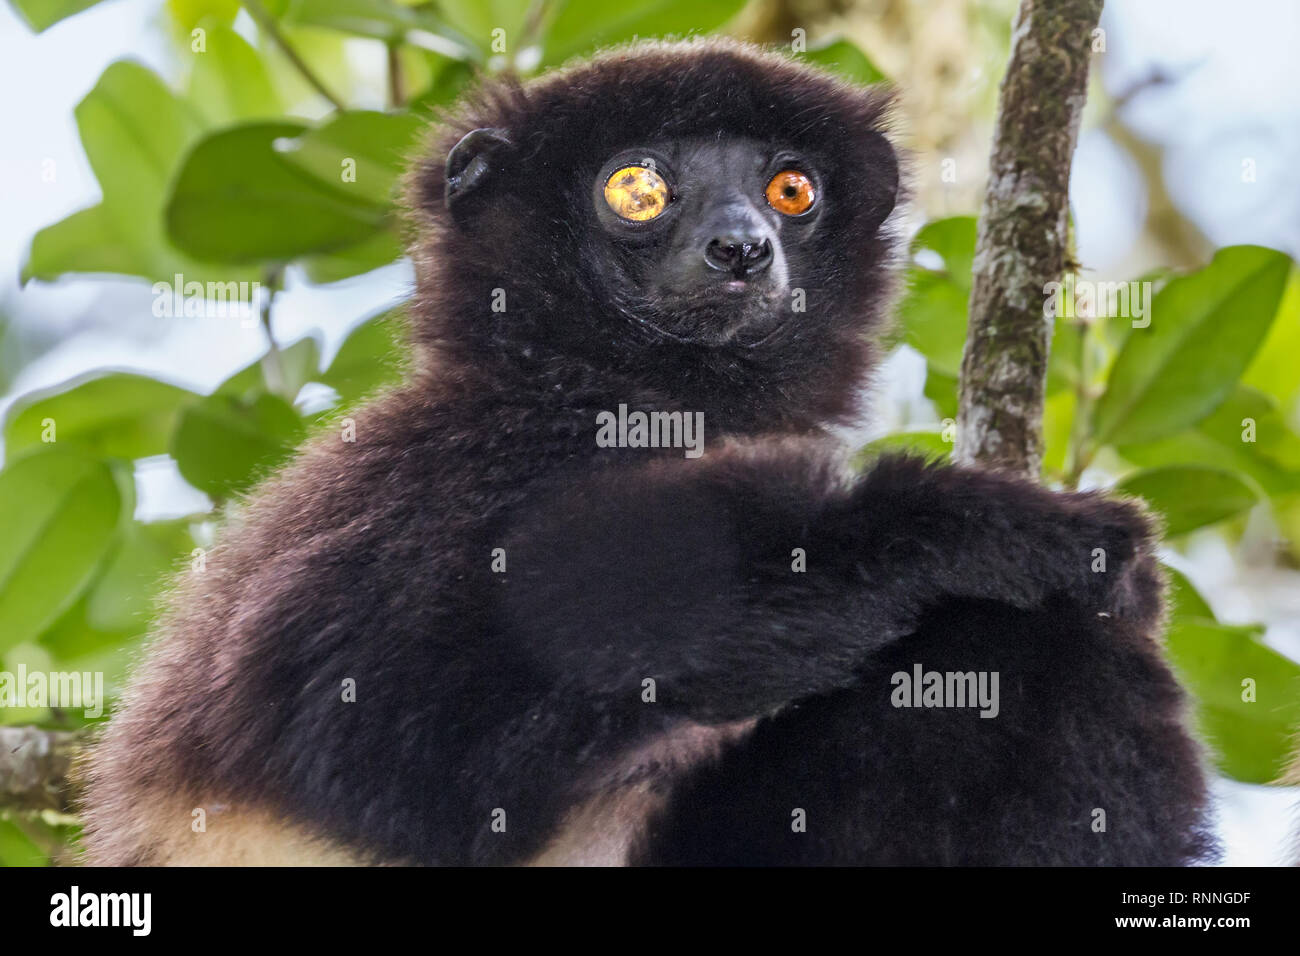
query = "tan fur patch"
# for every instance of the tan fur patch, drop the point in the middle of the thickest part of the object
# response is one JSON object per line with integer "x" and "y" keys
{"x": 231, "y": 837}
{"x": 602, "y": 831}
{"x": 154, "y": 830}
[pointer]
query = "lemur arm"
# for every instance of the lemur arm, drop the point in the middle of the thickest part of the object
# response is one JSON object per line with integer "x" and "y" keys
{"x": 685, "y": 571}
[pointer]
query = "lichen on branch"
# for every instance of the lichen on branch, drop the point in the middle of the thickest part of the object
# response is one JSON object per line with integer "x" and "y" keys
{"x": 1021, "y": 242}
{"x": 36, "y": 769}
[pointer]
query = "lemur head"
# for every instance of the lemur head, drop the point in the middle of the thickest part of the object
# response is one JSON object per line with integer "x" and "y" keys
{"x": 702, "y": 217}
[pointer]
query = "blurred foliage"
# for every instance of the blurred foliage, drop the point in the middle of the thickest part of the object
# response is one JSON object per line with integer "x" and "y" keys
{"x": 1191, "y": 407}
{"x": 250, "y": 163}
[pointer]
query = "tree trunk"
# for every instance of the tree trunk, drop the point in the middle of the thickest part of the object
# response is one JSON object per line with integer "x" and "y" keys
{"x": 35, "y": 768}
{"x": 1021, "y": 243}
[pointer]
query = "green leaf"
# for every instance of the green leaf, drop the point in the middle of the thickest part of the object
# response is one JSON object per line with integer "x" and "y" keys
{"x": 134, "y": 131}
{"x": 32, "y": 657}
{"x": 846, "y": 59}
{"x": 229, "y": 81}
{"x": 1271, "y": 459}
{"x": 580, "y": 26}
{"x": 1286, "y": 513}
{"x": 60, "y": 513}
{"x": 237, "y": 199}
{"x": 224, "y": 445}
{"x": 373, "y": 252}
{"x": 1058, "y": 421}
{"x": 114, "y": 660}
{"x": 86, "y": 241}
{"x": 367, "y": 18}
{"x": 1205, "y": 328}
{"x": 450, "y": 78}
{"x": 1275, "y": 371}
{"x": 368, "y": 148}
{"x": 933, "y": 311}
{"x": 941, "y": 388}
{"x": 953, "y": 240}
{"x": 17, "y": 849}
{"x": 371, "y": 357}
{"x": 378, "y": 19}
{"x": 72, "y": 642}
{"x": 1252, "y": 738}
{"x": 1063, "y": 358}
{"x": 113, "y": 414}
{"x": 476, "y": 19}
{"x": 124, "y": 597}
{"x": 1184, "y": 599}
{"x": 187, "y": 14}
{"x": 1190, "y": 496}
{"x": 300, "y": 363}
{"x": 925, "y": 442}
{"x": 933, "y": 315}
{"x": 42, "y": 14}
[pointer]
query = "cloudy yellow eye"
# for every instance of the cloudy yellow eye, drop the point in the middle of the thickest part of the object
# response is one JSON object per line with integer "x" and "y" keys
{"x": 637, "y": 193}
{"x": 791, "y": 192}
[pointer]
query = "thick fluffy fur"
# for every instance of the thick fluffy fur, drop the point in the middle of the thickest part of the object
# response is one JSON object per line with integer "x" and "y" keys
{"x": 522, "y": 692}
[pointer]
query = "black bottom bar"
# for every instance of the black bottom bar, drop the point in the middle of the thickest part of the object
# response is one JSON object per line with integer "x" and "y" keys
{"x": 212, "y": 906}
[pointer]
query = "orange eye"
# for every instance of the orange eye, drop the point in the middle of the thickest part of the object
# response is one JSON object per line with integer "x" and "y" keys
{"x": 637, "y": 193}
{"x": 791, "y": 192}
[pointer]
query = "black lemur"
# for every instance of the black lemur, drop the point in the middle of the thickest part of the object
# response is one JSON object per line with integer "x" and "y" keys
{"x": 514, "y": 623}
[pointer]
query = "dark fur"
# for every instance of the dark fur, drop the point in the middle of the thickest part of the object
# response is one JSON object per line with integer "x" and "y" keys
{"x": 522, "y": 690}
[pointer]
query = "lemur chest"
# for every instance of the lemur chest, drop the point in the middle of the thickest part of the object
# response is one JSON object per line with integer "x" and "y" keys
{"x": 603, "y": 829}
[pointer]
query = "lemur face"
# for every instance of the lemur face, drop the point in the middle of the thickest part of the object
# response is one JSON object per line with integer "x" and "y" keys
{"x": 713, "y": 231}
{"x": 710, "y": 240}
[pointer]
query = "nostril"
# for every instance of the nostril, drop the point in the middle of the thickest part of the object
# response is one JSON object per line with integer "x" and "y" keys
{"x": 758, "y": 255}
{"x": 739, "y": 256}
{"x": 723, "y": 253}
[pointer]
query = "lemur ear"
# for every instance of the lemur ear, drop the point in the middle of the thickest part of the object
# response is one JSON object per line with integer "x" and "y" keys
{"x": 880, "y": 188}
{"x": 470, "y": 164}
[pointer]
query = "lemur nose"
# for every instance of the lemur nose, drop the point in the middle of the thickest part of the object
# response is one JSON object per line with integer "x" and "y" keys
{"x": 738, "y": 255}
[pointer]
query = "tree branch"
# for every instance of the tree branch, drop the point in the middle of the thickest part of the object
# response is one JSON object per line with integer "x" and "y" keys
{"x": 1021, "y": 243}
{"x": 35, "y": 768}
{"x": 396, "y": 78}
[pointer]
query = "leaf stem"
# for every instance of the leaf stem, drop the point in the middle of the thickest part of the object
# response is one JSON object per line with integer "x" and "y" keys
{"x": 537, "y": 14}
{"x": 1077, "y": 459}
{"x": 396, "y": 79}
{"x": 273, "y": 361}
{"x": 1078, "y": 453}
{"x": 267, "y": 23}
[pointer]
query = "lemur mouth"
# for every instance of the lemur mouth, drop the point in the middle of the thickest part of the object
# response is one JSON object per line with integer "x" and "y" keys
{"x": 728, "y": 336}
{"x": 664, "y": 333}
{"x": 771, "y": 334}
{"x": 715, "y": 315}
